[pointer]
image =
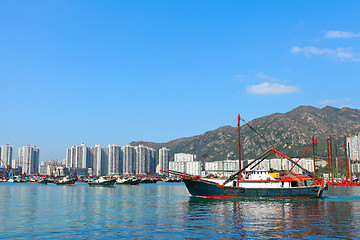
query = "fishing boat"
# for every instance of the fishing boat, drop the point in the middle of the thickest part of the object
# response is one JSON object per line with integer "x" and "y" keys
{"x": 43, "y": 181}
{"x": 257, "y": 184}
{"x": 12, "y": 180}
{"x": 66, "y": 181}
{"x": 102, "y": 181}
{"x": 148, "y": 180}
{"x": 128, "y": 181}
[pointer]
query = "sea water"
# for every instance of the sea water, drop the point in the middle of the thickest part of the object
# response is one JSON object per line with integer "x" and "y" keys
{"x": 167, "y": 211}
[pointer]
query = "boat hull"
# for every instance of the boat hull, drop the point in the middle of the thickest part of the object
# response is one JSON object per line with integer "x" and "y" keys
{"x": 70, "y": 182}
{"x": 102, "y": 184}
{"x": 208, "y": 189}
{"x": 43, "y": 182}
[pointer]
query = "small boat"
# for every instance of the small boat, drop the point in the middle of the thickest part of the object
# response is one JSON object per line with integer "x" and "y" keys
{"x": 128, "y": 181}
{"x": 257, "y": 184}
{"x": 12, "y": 180}
{"x": 32, "y": 180}
{"x": 66, "y": 181}
{"x": 43, "y": 181}
{"x": 169, "y": 179}
{"x": 148, "y": 180}
{"x": 102, "y": 182}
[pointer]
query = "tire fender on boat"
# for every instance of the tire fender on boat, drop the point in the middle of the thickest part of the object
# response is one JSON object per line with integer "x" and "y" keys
{"x": 242, "y": 190}
{"x": 316, "y": 188}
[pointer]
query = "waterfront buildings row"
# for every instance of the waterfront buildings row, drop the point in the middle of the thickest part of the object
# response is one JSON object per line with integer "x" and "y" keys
{"x": 28, "y": 159}
{"x": 117, "y": 160}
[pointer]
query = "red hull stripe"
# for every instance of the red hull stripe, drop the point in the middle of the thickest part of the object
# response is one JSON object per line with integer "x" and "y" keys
{"x": 219, "y": 196}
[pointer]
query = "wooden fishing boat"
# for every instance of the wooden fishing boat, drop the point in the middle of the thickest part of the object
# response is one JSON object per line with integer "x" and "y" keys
{"x": 128, "y": 181}
{"x": 257, "y": 184}
{"x": 101, "y": 182}
{"x": 66, "y": 181}
{"x": 43, "y": 181}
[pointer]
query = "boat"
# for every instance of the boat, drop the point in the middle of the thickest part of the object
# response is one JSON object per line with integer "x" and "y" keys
{"x": 66, "y": 181}
{"x": 43, "y": 181}
{"x": 128, "y": 181}
{"x": 148, "y": 180}
{"x": 12, "y": 180}
{"x": 102, "y": 181}
{"x": 257, "y": 184}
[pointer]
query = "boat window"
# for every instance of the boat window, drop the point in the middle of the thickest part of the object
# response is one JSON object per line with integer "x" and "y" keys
{"x": 294, "y": 184}
{"x": 234, "y": 183}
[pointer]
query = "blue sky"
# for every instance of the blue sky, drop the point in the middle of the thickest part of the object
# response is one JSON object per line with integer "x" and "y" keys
{"x": 121, "y": 71}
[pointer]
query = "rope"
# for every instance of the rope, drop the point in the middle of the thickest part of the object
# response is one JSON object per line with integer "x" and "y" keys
{"x": 257, "y": 133}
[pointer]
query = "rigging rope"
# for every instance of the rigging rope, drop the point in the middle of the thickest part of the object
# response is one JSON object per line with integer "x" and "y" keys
{"x": 257, "y": 133}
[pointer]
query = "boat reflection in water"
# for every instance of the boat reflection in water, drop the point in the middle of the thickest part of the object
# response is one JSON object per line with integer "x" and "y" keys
{"x": 276, "y": 219}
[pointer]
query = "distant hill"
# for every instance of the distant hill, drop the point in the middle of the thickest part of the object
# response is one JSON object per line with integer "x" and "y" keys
{"x": 289, "y": 132}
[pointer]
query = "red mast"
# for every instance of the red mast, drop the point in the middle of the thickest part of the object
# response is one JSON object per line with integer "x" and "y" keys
{"x": 346, "y": 160}
{"x": 328, "y": 158}
{"x": 239, "y": 145}
{"x": 332, "y": 162}
{"x": 314, "y": 155}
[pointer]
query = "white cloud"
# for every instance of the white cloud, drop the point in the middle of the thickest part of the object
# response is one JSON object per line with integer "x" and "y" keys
{"x": 345, "y": 54}
{"x": 333, "y": 101}
{"x": 266, "y": 77}
{"x": 341, "y": 34}
{"x": 271, "y": 88}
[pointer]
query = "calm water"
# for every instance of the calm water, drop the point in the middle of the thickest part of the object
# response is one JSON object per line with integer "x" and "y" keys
{"x": 166, "y": 210}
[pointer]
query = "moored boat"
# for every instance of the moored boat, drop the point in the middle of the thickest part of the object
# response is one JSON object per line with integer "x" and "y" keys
{"x": 102, "y": 182}
{"x": 148, "y": 180}
{"x": 257, "y": 184}
{"x": 12, "y": 180}
{"x": 128, "y": 181}
{"x": 43, "y": 181}
{"x": 66, "y": 181}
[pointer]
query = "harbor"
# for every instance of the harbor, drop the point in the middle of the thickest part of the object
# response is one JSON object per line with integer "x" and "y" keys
{"x": 166, "y": 210}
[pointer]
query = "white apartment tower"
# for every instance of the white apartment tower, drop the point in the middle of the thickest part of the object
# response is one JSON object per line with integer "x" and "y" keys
{"x": 6, "y": 154}
{"x": 115, "y": 163}
{"x": 140, "y": 164}
{"x": 78, "y": 156}
{"x": 29, "y": 159}
{"x": 353, "y": 147}
{"x": 164, "y": 158}
{"x": 129, "y": 159}
{"x": 104, "y": 161}
{"x": 95, "y": 157}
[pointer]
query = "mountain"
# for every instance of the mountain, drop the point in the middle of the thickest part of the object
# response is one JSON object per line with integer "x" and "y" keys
{"x": 291, "y": 133}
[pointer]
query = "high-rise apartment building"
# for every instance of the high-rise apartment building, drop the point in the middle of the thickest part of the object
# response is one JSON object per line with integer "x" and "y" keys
{"x": 6, "y": 154}
{"x": 29, "y": 159}
{"x": 77, "y": 156}
{"x": 164, "y": 159}
{"x": 98, "y": 160}
{"x": 104, "y": 161}
{"x": 115, "y": 164}
{"x": 95, "y": 156}
{"x": 353, "y": 147}
{"x": 129, "y": 159}
{"x": 151, "y": 165}
{"x": 145, "y": 162}
{"x": 141, "y": 159}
